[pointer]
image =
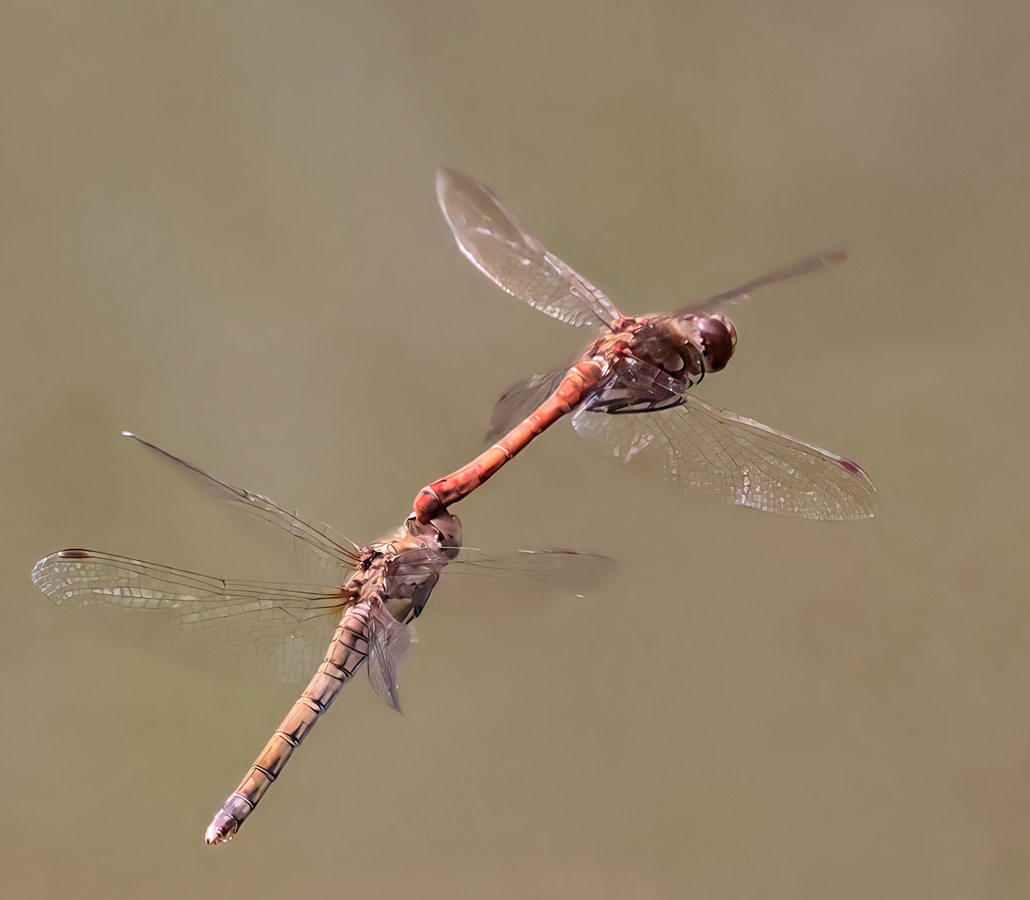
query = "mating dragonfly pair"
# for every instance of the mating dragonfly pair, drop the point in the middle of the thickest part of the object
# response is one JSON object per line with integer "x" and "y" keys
{"x": 628, "y": 397}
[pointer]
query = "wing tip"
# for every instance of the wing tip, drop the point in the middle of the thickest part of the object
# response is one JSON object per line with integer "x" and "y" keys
{"x": 38, "y": 576}
{"x": 139, "y": 440}
{"x": 448, "y": 180}
{"x": 854, "y": 468}
{"x": 869, "y": 503}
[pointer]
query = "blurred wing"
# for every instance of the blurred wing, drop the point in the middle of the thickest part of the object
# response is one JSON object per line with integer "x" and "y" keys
{"x": 493, "y": 240}
{"x": 280, "y": 630}
{"x": 811, "y": 264}
{"x": 388, "y": 642}
{"x": 703, "y": 451}
{"x": 521, "y": 399}
{"x": 321, "y": 551}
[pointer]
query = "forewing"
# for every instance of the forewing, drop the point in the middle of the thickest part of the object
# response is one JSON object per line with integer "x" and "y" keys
{"x": 521, "y": 399}
{"x": 322, "y": 552}
{"x": 280, "y": 630}
{"x": 388, "y": 642}
{"x": 811, "y": 264}
{"x": 702, "y": 451}
{"x": 568, "y": 571}
{"x": 497, "y": 245}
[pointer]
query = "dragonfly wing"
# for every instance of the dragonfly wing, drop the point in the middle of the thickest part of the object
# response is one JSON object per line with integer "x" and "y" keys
{"x": 522, "y": 399}
{"x": 323, "y": 553}
{"x": 388, "y": 642}
{"x": 567, "y": 571}
{"x": 702, "y": 451}
{"x": 514, "y": 260}
{"x": 719, "y": 301}
{"x": 279, "y": 630}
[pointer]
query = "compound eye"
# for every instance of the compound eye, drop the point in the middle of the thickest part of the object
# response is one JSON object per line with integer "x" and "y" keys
{"x": 719, "y": 338}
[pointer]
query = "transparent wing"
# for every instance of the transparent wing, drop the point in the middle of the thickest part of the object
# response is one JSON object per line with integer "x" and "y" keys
{"x": 702, "y": 451}
{"x": 389, "y": 640}
{"x": 811, "y": 264}
{"x": 279, "y": 630}
{"x": 521, "y": 399}
{"x": 323, "y": 553}
{"x": 568, "y": 571}
{"x": 493, "y": 240}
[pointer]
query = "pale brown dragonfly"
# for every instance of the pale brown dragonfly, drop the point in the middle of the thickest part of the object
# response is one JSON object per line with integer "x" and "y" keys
{"x": 627, "y": 391}
{"x": 362, "y": 612}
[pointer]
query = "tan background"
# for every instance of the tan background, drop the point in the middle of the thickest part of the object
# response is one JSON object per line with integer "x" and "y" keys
{"x": 218, "y": 228}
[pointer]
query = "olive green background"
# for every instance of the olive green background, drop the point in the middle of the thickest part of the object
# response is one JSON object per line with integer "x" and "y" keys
{"x": 218, "y": 229}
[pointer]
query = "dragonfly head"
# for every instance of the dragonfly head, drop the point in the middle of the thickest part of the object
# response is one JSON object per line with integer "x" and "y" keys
{"x": 443, "y": 530}
{"x": 719, "y": 340}
{"x": 714, "y": 336}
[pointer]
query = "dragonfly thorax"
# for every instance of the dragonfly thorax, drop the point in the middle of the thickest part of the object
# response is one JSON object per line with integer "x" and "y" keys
{"x": 368, "y": 559}
{"x": 664, "y": 342}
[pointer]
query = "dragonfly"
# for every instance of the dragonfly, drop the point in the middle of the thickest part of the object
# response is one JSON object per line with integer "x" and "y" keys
{"x": 627, "y": 393}
{"x": 362, "y": 613}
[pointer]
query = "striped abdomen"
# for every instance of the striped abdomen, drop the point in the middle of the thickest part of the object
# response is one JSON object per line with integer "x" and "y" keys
{"x": 346, "y": 653}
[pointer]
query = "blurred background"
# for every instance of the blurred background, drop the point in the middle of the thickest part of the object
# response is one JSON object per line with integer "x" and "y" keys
{"x": 218, "y": 229}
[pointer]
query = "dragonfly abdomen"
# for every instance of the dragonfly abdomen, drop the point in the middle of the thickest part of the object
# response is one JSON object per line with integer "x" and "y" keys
{"x": 348, "y": 650}
{"x": 574, "y": 386}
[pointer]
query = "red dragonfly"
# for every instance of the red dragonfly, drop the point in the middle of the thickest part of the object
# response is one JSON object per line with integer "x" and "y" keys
{"x": 362, "y": 610}
{"x": 627, "y": 391}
